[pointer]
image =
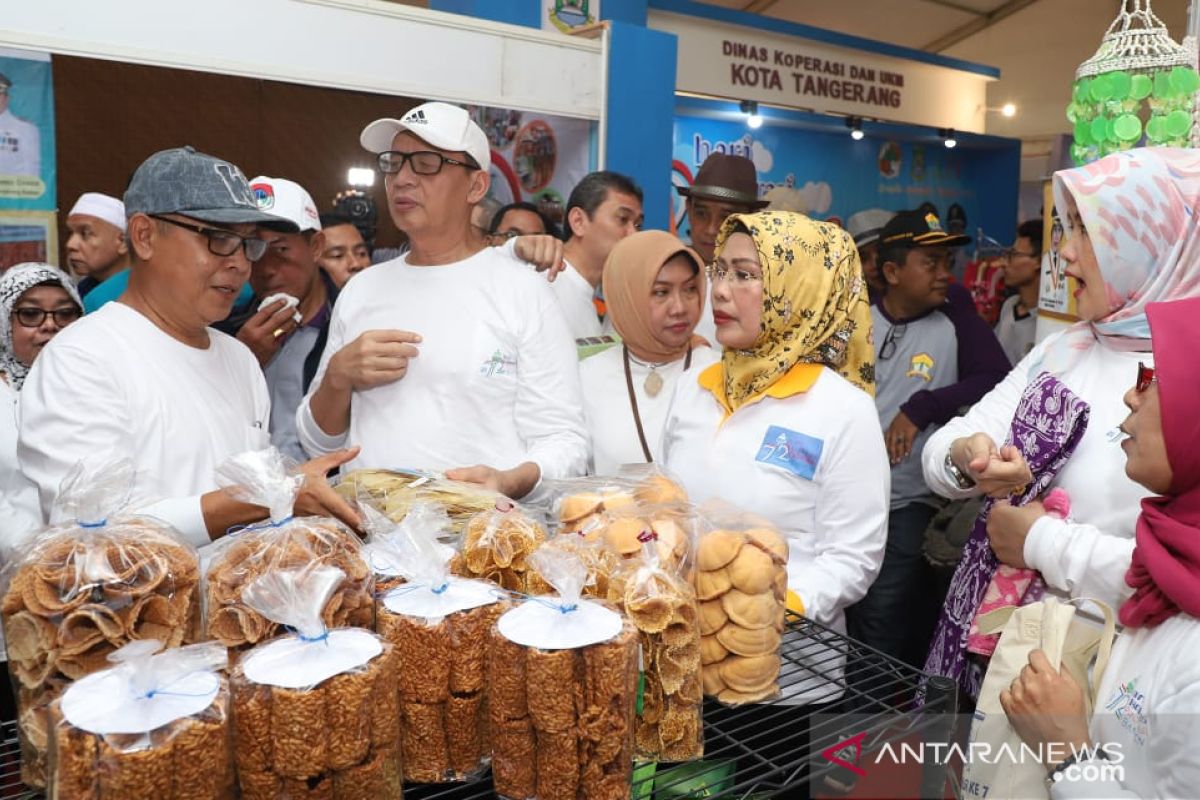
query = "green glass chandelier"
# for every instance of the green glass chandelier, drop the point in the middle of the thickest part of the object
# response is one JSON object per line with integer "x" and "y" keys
{"x": 1140, "y": 85}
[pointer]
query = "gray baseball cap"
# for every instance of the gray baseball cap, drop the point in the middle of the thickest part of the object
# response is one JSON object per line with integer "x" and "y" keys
{"x": 197, "y": 185}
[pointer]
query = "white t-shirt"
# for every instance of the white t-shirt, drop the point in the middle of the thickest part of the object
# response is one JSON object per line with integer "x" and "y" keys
{"x": 496, "y": 381}
{"x": 814, "y": 464}
{"x": 1087, "y": 555}
{"x": 115, "y": 385}
{"x": 576, "y": 299}
{"x": 609, "y": 414}
{"x": 1149, "y": 704}
{"x": 20, "y": 512}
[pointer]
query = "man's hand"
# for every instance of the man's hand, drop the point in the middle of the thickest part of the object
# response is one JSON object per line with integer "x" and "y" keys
{"x": 999, "y": 472}
{"x": 317, "y": 498}
{"x": 1045, "y": 707}
{"x": 373, "y": 359}
{"x": 899, "y": 438}
{"x": 1007, "y": 528}
{"x": 543, "y": 251}
{"x": 265, "y": 332}
{"x": 515, "y": 483}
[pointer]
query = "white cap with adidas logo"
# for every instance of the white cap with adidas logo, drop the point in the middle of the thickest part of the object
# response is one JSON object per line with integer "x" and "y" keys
{"x": 441, "y": 125}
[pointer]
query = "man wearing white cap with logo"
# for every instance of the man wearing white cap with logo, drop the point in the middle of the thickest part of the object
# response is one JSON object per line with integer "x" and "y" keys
{"x": 454, "y": 356}
{"x": 96, "y": 248}
{"x": 288, "y": 321}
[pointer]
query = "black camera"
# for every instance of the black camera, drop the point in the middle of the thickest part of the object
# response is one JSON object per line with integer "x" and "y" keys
{"x": 360, "y": 210}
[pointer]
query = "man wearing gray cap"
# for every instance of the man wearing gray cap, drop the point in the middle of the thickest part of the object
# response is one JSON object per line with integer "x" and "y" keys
{"x": 865, "y": 227}
{"x": 163, "y": 389}
{"x": 20, "y": 142}
{"x": 454, "y": 356}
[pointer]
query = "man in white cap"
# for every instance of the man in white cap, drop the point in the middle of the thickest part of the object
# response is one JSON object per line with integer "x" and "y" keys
{"x": 287, "y": 323}
{"x": 20, "y": 141}
{"x": 96, "y": 248}
{"x": 454, "y": 356}
{"x": 162, "y": 388}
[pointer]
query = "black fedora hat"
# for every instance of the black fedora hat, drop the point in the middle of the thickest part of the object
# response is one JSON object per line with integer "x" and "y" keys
{"x": 729, "y": 179}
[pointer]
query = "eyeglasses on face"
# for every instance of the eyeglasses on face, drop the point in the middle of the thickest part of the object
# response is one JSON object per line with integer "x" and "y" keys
{"x": 1145, "y": 377}
{"x": 894, "y": 335}
{"x": 738, "y": 277}
{"x": 33, "y": 317}
{"x": 423, "y": 162}
{"x": 1012, "y": 253}
{"x": 220, "y": 241}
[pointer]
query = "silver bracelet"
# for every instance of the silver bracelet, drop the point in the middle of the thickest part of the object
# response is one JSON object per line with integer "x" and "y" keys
{"x": 961, "y": 479}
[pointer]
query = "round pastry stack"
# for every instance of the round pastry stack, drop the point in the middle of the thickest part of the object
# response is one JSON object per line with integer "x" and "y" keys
{"x": 338, "y": 740}
{"x": 302, "y": 542}
{"x": 495, "y": 547}
{"x": 76, "y": 596}
{"x": 741, "y": 583}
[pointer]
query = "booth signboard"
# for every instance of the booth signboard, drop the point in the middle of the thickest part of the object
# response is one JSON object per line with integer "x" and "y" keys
{"x": 831, "y": 176}
{"x": 27, "y": 161}
{"x": 537, "y": 158}
{"x": 721, "y": 60}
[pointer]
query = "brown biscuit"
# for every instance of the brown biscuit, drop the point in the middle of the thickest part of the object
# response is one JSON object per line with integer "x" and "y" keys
{"x": 469, "y": 631}
{"x": 507, "y": 696}
{"x": 258, "y": 785}
{"x": 385, "y": 703}
{"x": 551, "y": 680}
{"x": 424, "y": 651}
{"x": 423, "y": 731}
{"x": 557, "y": 766}
{"x": 201, "y": 758}
{"x": 299, "y": 732}
{"x": 73, "y": 759}
{"x": 374, "y": 779}
{"x": 252, "y": 725}
{"x": 463, "y": 718}
{"x": 514, "y": 768}
{"x": 348, "y": 698}
{"x": 319, "y": 787}
{"x": 127, "y": 768}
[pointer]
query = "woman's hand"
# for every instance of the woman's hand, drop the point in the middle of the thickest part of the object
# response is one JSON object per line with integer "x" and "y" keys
{"x": 998, "y": 472}
{"x": 1007, "y": 528}
{"x": 1045, "y": 707}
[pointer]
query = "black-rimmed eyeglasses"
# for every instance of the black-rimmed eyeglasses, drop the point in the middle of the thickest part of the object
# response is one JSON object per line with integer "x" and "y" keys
{"x": 888, "y": 348}
{"x": 220, "y": 241}
{"x": 32, "y": 317}
{"x": 423, "y": 162}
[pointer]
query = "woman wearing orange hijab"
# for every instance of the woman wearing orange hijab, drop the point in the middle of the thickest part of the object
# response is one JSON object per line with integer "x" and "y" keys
{"x": 654, "y": 287}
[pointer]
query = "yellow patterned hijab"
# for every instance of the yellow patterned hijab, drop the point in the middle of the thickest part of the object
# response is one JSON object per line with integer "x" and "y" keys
{"x": 815, "y": 307}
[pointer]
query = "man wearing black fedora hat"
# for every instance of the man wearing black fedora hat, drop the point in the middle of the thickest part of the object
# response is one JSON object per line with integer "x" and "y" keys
{"x": 724, "y": 185}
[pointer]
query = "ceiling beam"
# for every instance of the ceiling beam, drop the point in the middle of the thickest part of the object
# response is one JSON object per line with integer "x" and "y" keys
{"x": 758, "y": 6}
{"x": 975, "y": 12}
{"x": 975, "y": 26}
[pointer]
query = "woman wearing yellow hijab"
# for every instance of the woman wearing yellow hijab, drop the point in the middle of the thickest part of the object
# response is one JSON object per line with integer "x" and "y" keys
{"x": 785, "y": 425}
{"x": 654, "y": 288}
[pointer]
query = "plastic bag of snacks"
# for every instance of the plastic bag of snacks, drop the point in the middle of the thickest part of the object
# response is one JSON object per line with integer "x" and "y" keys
{"x": 741, "y": 583}
{"x": 496, "y": 546}
{"x": 439, "y": 625}
{"x": 316, "y": 713}
{"x": 563, "y": 688}
{"x": 150, "y": 726}
{"x": 661, "y": 603}
{"x": 384, "y": 547}
{"x": 284, "y": 542}
{"x": 395, "y": 492}
{"x": 82, "y": 589}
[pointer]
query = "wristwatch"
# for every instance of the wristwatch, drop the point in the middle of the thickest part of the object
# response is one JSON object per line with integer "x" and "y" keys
{"x": 961, "y": 479}
{"x": 1086, "y": 754}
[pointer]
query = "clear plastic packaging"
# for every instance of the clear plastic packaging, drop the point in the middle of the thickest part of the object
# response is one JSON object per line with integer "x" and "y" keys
{"x": 284, "y": 542}
{"x": 80, "y": 590}
{"x": 316, "y": 712}
{"x": 150, "y": 726}
{"x": 562, "y": 718}
{"x": 395, "y": 492}
{"x": 741, "y": 585}
{"x": 385, "y": 547}
{"x": 496, "y": 546}
{"x": 438, "y": 624}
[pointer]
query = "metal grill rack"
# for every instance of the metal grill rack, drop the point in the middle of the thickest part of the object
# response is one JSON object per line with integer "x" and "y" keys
{"x": 775, "y": 752}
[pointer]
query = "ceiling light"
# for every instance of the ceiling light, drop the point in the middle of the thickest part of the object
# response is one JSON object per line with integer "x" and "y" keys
{"x": 1009, "y": 109}
{"x": 753, "y": 118}
{"x": 360, "y": 177}
{"x": 855, "y": 126}
{"x": 948, "y": 139}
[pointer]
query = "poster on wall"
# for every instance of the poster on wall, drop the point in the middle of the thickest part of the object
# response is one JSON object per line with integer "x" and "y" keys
{"x": 567, "y": 15}
{"x": 831, "y": 176}
{"x": 1056, "y": 297}
{"x": 28, "y": 236}
{"x": 27, "y": 159}
{"x": 536, "y": 158}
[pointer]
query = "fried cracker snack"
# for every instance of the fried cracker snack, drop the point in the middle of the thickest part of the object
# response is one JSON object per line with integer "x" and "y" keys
{"x": 82, "y": 589}
{"x": 113, "y": 737}
{"x": 396, "y": 492}
{"x": 496, "y": 545}
{"x": 742, "y": 582}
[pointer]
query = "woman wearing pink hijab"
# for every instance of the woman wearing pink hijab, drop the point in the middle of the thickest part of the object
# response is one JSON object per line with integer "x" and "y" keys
{"x": 1147, "y": 719}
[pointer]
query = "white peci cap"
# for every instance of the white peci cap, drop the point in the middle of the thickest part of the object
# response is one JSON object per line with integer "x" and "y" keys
{"x": 102, "y": 207}
{"x": 440, "y": 125}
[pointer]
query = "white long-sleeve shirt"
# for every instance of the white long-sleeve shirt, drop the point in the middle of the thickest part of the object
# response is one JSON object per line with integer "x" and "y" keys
{"x": 1147, "y": 718}
{"x": 576, "y": 298}
{"x": 1088, "y": 555}
{"x": 610, "y": 419}
{"x": 115, "y": 385}
{"x": 496, "y": 381}
{"x": 812, "y": 463}
{"x": 20, "y": 512}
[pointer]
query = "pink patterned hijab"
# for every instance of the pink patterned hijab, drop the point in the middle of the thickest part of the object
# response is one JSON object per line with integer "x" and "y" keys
{"x": 1140, "y": 210}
